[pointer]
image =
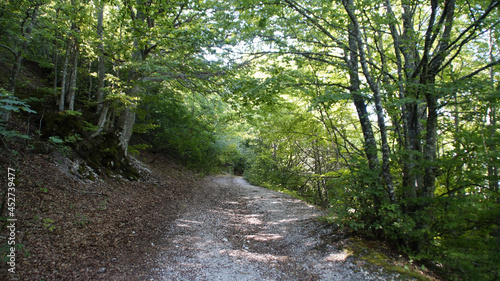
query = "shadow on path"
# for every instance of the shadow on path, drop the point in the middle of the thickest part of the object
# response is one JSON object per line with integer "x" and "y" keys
{"x": 231, "y": 230}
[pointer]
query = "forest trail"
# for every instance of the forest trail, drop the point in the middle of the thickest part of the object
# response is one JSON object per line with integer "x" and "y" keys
{"x": 169, "y": 225}
{"x": 231, "y": 230}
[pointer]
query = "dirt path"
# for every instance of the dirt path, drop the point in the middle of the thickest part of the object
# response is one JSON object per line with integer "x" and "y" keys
{"x": 231, "y": 230}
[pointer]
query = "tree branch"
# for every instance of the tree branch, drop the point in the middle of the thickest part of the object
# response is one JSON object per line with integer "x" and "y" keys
{"x": 304, "y": 13}
{"x": 479, "y": 70}
{"x": 8, "y": 49}
{"x": 174, "y": 22}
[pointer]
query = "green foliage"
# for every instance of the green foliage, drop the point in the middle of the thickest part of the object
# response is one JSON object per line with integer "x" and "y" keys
{"x": 457, "y": 231}
{"x": 465, "y": 241}
{"x": 66, "y": 126}
{"x": 193, "y": 128}
{"x": 136, "y": 149}
{"x": 444, "y": 171}
{"x": 264, "y": 171}
{"x": 103, "y": 205}
{"x": 82, "y": 219}
{"x": 5, "y": 250}
{"x": 8, "y": 105}
{"x": 89, "y": 127}
{"x": 71, "y": 113}
{"x": 437, "y": 230}
{"x": 56, "y": 140}
{"x": 49, "y": 224}
{"x": 61, "y": 145}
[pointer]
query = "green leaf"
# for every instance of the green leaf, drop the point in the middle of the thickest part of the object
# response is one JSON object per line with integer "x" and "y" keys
{"x": 9, "y": 107}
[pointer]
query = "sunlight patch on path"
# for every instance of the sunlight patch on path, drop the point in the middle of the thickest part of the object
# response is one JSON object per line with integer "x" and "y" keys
{"x": 231, "y": 230}
{"x": 252, "y": 256}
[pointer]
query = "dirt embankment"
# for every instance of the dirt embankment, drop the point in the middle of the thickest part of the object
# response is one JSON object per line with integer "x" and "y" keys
{"x": 74, "y": 225}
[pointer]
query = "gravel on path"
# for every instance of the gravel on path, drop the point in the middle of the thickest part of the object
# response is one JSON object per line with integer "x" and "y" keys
{"x": 231, "y": 230}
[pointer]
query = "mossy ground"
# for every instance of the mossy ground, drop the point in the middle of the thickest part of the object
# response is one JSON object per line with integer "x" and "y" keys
{"x": 377, "y": 253}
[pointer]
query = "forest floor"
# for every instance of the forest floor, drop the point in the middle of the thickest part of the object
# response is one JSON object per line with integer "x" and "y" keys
{"x": 169, "y": 225}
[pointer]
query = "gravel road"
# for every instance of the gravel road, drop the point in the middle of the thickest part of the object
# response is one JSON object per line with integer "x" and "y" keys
{"x": 231, "y": 230}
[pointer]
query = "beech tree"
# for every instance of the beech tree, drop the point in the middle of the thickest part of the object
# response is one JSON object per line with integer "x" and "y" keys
{"x": 106, "y": 56}
{"x": 393, "y": 59}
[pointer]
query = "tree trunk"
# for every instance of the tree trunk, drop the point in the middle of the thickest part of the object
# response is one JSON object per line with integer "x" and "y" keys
{"x": 413, "y": 110}
{"x": 126, "y": 124}
{"x": 101, "y": 69}
{"x": 103, "y": 118}
{"x": 55, "y": 61}
{"x": 127, "y": 115}
{"x": 430, "y": 69}
{"x": 359, "y": 103}
{"x": 55, "y": 58}
{"x": 65, "y": 74}
{"x": 409, "y": 179}
{"x": 318, "y": 171}
{"x": 356, "y": 33}
{"x": 430, "y": 144}
{"x": 492, "y": 148}
{"x": 14, "y": 72}
{"x": 72, "y": 87}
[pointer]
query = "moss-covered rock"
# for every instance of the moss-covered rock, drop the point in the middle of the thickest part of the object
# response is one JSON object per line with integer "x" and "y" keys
{"x": 103, "y": 153}
{"x": 373, "y": 254}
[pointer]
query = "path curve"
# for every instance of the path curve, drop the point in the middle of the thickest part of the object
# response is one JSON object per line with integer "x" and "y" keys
{"x": 231, "y": 230}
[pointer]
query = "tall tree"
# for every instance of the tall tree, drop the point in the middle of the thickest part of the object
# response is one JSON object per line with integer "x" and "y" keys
{"x": 101, "y": 67}
{"x": 22, "y": 18}
{"x": 393, "y": 57}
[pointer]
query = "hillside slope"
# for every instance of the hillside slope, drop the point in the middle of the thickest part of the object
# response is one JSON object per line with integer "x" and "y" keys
{"x": 72, "y": 228}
